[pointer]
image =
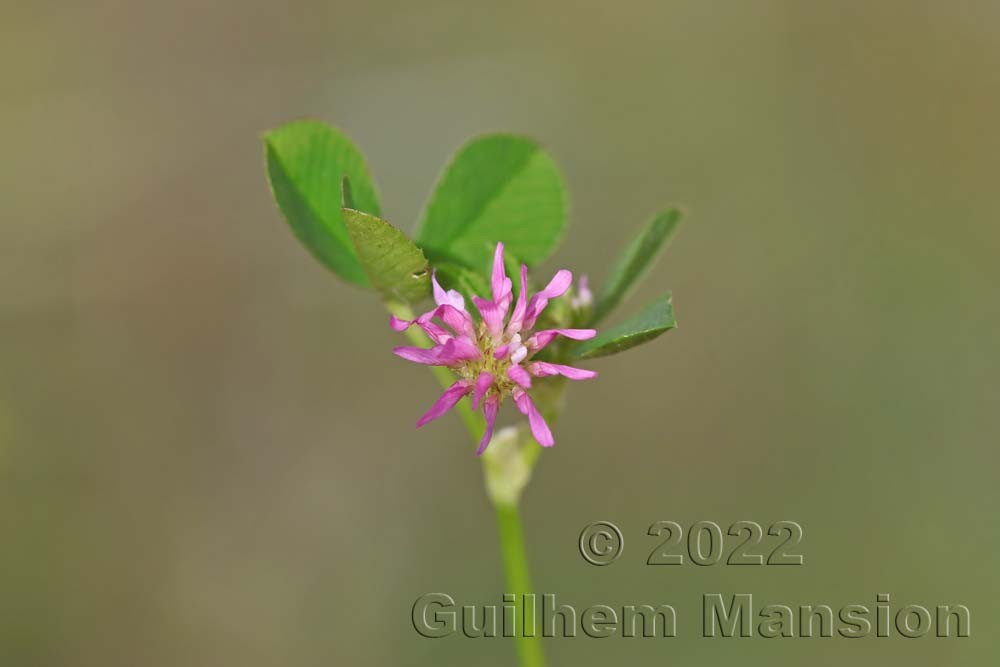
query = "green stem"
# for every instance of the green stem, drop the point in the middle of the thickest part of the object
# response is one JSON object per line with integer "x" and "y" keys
{"x": 515, "y": 563}
{"x": 515, "y": 557}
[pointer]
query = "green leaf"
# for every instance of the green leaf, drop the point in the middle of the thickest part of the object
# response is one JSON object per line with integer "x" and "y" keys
{"x": 392, "y": 262}
{"x": 346, "y": 194}
{"x": 306, "y": 161}
{"x": 636, "y": 260}
{"x": 652, "y": 321}
{"x": 497, "y": 188}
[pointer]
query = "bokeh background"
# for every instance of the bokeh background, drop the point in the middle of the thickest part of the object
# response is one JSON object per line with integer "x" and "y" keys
{"x": 207, "y": 452}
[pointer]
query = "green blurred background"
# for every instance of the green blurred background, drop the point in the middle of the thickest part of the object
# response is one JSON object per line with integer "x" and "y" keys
{"x": 207, "y": 452}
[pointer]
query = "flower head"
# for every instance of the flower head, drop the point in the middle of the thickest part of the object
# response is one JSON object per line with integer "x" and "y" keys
{"x": 493, "y": 359}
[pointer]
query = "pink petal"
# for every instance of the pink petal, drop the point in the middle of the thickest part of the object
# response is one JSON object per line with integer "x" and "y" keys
{"x": 490, "y": 408}
{"x": 542, "y": 338}
{"x": 450, "y": 353}
{"x": 437, "y": 333}
{"x": 500, "y": 283}
{"x": 556, "y": 287}
{"x": 493, "y": 315}
{"x": 520, "y": 306}
{"x": 539, "y": 428}
{"x": 519, "y": 375}
{"x": 501, "y": 352}
{"x": 461, "y": 349}
{"x": 450, "y": 298}
{"x": 398, "y": 324}
{"x": 419, "y": 355}
{"x": 542, "y": 369}
{"x": 483, "y": 384}
{"x": 459, "y": 320}
{"x": 448, "y": 399}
